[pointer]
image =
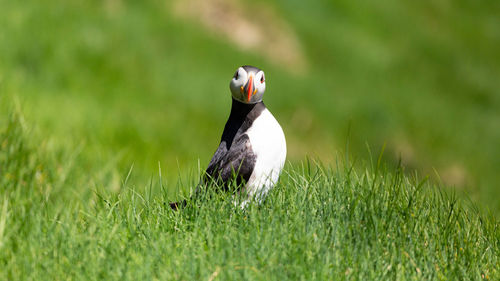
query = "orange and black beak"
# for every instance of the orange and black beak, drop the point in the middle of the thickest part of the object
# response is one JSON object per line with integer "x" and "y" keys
{"x": 249, "y": 90}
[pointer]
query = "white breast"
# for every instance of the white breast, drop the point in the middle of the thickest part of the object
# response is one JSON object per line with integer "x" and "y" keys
{"x": 269, "y": 146}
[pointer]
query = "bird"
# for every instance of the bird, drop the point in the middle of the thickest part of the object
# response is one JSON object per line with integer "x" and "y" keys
{"x": 252, "y": 149}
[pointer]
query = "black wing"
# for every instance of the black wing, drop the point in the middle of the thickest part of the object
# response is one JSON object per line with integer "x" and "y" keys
{"x": 237, "y": 162}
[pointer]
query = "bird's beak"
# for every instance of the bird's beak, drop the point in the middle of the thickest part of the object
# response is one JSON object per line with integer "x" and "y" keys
{"x": 250, "y": 91}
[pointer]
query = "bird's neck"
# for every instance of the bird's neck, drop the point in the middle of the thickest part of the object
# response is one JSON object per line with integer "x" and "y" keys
{"x": 241, "y": 118}
{"x": 241, "y": 110}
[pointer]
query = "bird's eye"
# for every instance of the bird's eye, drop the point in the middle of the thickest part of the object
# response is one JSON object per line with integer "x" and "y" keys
{"x": 262, "y": 79}
{"x": 236, "y": 75}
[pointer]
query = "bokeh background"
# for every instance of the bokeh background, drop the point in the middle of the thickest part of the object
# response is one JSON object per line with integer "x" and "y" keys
{"x": 122, "y": 83}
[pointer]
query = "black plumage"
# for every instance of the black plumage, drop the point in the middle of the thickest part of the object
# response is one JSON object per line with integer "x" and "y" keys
{"x": 234, "y": 156}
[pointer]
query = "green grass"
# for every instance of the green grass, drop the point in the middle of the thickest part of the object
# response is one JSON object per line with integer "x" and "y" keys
{"x": 61, "y": 222}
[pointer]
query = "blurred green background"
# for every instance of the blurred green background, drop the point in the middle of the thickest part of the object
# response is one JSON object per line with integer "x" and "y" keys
{"x": 139, "y": 83}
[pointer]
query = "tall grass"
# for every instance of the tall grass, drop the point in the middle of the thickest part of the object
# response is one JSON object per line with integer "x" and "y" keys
{"x": 57, "y": 222}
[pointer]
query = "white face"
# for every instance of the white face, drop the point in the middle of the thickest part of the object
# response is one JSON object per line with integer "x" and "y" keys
{"x": 248, "y": 87}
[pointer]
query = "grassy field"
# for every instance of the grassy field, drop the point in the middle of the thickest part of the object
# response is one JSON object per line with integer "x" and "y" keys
{"x": 319, "y": 223}
{"x": 100, "y": 98}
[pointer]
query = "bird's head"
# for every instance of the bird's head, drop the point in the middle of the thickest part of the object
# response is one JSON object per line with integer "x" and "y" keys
{"x": 248, "y": 84}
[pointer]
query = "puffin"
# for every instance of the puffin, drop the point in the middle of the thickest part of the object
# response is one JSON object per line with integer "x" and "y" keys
{"x": 252, "y": 150}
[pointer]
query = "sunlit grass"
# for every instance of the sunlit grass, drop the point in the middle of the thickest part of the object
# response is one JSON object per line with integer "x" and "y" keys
{"x": 58, "y": 222}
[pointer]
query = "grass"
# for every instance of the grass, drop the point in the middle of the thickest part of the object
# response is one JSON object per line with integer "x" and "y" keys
{"x": 59, "y": 222}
